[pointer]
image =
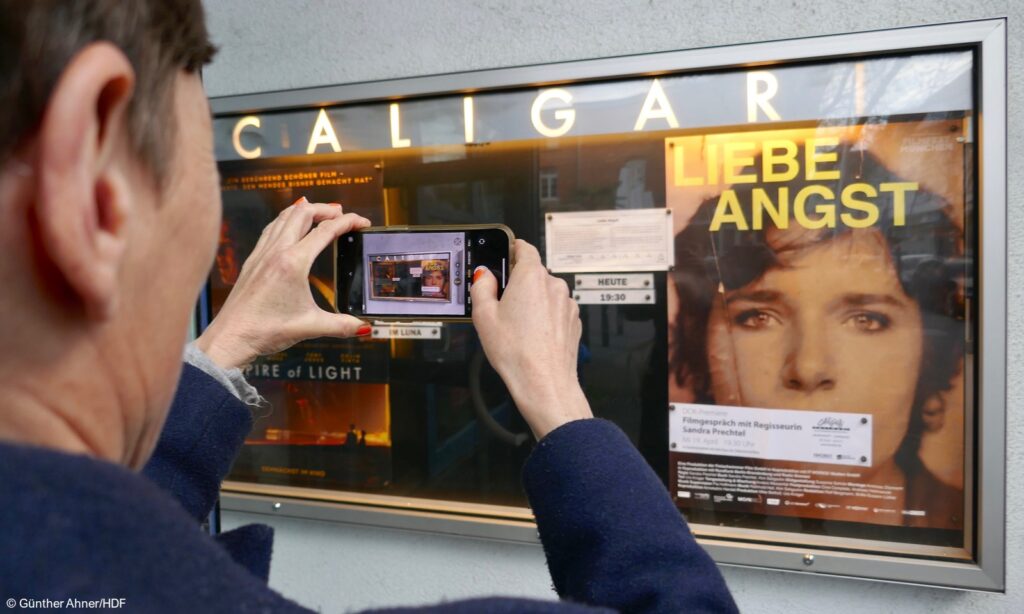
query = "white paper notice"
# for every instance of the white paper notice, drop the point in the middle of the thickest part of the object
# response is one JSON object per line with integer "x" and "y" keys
{"x": 774, "y": 434}
{"x": 616, "y": 240}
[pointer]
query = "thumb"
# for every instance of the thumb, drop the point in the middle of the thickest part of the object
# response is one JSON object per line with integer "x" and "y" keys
{"x": 339, "y": 325}
{"x": 484, "y": 292}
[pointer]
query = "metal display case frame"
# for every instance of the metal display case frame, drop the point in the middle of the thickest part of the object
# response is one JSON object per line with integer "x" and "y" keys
{"x": 987, "y": 40}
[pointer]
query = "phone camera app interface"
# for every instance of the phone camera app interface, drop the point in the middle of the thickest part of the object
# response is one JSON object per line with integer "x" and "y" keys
{"x": 414, "y": 273}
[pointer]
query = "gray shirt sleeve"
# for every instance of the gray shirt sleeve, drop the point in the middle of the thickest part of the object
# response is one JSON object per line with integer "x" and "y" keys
{"x": 232, "y": 379}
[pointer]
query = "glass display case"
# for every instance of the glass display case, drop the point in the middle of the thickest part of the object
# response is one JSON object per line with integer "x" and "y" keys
{"x": 790, "y": 263}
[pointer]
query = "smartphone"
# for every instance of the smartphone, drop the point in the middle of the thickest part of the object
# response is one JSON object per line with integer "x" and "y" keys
{"x": 416, "y": 273}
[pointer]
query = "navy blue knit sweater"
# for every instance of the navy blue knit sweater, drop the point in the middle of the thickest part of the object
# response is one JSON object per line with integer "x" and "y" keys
{"x": 75, "y": 527}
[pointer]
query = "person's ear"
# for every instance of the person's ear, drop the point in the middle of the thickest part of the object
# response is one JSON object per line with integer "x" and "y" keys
{"x": 83, "y": 192}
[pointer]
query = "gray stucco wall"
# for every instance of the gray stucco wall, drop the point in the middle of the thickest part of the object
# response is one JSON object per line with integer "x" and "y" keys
{"x": 278, "y": 44}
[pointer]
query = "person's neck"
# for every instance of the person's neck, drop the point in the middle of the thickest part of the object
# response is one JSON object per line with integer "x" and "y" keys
{"x": 890, "y": 474}
{"x": 65, "y": 406}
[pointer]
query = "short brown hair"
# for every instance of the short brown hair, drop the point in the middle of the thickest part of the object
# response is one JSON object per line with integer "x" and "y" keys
{"x": 39, "y": 37}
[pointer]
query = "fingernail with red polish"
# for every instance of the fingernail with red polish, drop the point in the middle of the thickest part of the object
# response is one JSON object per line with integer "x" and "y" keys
{"x": 364, "y": 330}
{"x": 478, "y": 272}
{"x": 301, "y": 199}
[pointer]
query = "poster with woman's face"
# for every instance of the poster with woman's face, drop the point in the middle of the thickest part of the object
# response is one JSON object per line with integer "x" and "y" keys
{"x": 819, "y": 317}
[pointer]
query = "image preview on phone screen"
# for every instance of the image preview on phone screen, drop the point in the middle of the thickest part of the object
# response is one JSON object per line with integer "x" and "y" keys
{"x": 414, "y": 273}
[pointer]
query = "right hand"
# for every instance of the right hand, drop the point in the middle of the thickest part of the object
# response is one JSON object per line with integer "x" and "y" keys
{"x": 531, "y": 338}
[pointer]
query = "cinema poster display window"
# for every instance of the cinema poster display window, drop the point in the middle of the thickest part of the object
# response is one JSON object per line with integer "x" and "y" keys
{"x": 815, "y": 370}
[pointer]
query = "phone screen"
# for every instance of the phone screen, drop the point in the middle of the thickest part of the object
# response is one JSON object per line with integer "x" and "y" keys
{"x": 416, "y": 274}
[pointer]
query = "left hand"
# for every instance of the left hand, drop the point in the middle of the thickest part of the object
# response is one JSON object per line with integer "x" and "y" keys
{"x": 271, "y": 307}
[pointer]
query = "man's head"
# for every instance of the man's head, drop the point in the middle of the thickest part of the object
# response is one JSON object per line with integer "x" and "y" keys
{"x": 109, "y": 209}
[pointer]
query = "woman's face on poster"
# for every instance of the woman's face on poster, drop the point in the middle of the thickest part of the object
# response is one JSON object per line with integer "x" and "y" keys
{"x": 831, "y": 329}
{"x": 434, "y": 279}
